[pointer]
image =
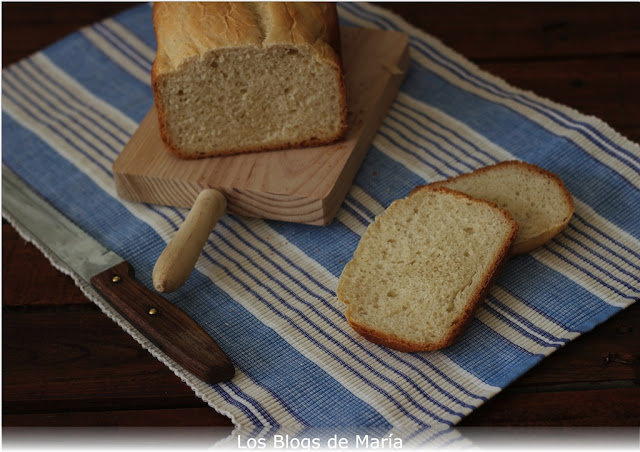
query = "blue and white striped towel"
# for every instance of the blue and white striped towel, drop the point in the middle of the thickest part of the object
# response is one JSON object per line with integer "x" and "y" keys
{"x": 266, "y": 290}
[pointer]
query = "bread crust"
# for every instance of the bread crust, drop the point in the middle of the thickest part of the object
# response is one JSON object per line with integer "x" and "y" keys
{"x": 189, "y": 30}
{"x": 475, "y": 301}
{"x": 530, "y": 243}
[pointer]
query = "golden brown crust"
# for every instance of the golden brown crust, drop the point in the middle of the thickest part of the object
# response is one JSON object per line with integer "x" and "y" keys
{"x": 473, "y": 304}
{"x": 185, "y": 30}
{"x": 530, "y": 243}
{"x": 247, "y": 150}
{"x": 188, "y": 30}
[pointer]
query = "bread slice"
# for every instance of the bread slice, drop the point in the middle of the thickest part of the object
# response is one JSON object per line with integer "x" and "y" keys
{"x": 232, "y": 77}
{"x": 537, "y": 199}
{"x": 423, "y": 267}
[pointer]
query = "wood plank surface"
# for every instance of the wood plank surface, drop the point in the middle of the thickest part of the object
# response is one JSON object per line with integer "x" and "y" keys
{"x": 57, "y": 372}
{"x": 513, "y": 32}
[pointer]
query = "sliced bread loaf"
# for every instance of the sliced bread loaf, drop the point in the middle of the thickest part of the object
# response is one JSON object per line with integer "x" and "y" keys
{"x": 537, "y": 199}
{"x": 233, "y": 77}
{"x": 423, "y": 267}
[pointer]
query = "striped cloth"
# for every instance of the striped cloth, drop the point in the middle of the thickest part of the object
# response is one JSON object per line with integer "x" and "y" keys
{"x": 265, "y": 290}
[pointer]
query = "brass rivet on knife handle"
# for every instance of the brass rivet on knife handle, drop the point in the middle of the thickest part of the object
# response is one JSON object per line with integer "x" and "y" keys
{"x": 176, "y": 262}
{"x": 173, "y": 332}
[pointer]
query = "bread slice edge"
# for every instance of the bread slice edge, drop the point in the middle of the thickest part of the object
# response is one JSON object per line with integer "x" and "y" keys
{"x": 526, "y": 244}
{"x": 475, "y": 301}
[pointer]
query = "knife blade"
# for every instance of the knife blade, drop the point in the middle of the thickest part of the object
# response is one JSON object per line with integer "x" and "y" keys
{"x": 164, "y": 324}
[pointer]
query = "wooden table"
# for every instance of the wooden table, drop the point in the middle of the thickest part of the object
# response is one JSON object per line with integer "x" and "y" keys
{"x": 66, "y": 364}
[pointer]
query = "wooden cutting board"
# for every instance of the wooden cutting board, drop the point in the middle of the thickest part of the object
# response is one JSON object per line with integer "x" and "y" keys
{"x": 297, "y": 185}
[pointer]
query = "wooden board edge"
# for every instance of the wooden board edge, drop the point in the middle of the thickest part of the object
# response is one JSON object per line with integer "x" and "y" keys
{"x": 332, "y": 201}
{"x": 321, "y": 210}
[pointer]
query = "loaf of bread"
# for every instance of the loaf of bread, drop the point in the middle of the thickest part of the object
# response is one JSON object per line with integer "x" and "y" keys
{"x": 537, "y": 199}
{"x": 423, "y": 267}
{"x": 232, "y": 77}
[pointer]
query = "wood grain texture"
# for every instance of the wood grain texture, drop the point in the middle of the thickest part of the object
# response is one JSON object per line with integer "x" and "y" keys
{"x": 164, "y": 324}
{"x": 297, "y": 185}
{"x": 577, "y": 408}
{"x": 176, "y": 262}
{"x": 65, "y": 358}
{"x": 177, "y": 417}
{"x": 584, "y": 56}
{"x": 27, "y": 29}
{"x": 66, "y": 364}
{"x": 505, "y": 31}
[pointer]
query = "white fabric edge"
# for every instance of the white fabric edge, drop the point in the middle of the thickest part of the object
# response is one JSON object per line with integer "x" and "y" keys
{"x": 194, "y": 383}
{"x": 199, "y": 387}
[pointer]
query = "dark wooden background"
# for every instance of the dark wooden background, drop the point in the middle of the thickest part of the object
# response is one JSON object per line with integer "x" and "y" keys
{"x": 64, "y": 363}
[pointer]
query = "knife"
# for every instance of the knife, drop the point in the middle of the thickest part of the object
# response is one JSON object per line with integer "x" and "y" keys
{"x": 163, "y": 323}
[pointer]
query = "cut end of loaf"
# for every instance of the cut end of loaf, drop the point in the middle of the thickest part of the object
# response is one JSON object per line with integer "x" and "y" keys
{"x": 249, "y": 99}
{"x": 423, "y": 267}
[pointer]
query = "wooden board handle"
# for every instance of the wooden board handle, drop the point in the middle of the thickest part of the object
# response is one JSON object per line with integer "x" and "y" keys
{"x": 164, "y": 324}
{"x": 176, "y": 262}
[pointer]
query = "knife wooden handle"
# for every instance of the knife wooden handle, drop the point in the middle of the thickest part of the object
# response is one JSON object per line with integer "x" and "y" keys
{"x": 164, "y": 324}
{"x": 176, "y": 262}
